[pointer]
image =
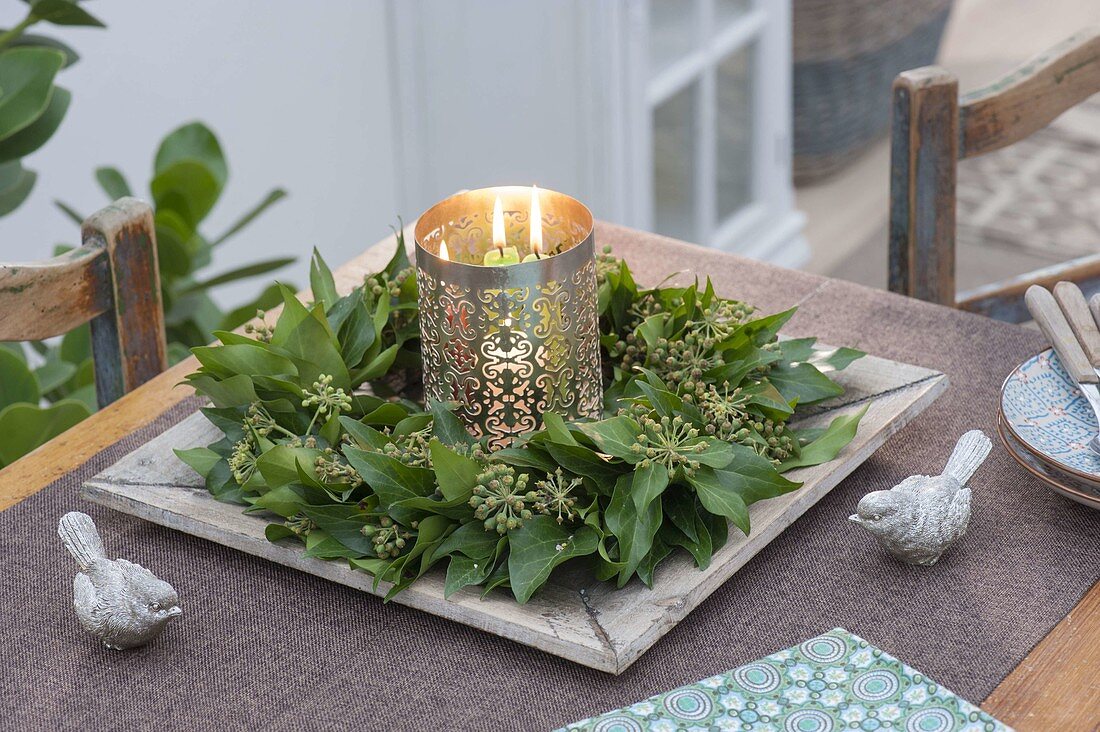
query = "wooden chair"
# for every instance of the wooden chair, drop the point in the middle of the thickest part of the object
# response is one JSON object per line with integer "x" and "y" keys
{"x": 933, "y": 128}
{"x": 113, "y": 281}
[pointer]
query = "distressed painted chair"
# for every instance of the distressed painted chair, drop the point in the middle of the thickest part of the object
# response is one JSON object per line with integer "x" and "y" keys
{"x": 112, "y": 281}
{"x": 933, "y": 128}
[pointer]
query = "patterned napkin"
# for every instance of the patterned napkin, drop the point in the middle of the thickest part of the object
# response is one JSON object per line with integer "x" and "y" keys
{"x": 836, "y": 681}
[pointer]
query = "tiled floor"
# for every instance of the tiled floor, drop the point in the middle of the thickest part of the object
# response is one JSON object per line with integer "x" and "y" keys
{"x": 846, "y": 216}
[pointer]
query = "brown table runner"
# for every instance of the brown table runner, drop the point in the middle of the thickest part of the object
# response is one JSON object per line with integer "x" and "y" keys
{"x": 260, "y": 645}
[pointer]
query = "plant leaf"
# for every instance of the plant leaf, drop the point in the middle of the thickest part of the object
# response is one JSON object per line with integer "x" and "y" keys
{"x": 321, "y": 281}
{"x": 64, "y": 12}
{"x": 615, "y": 436}
{"x": 35, "y": 135}
{"x": 273, "y": 196}
{"x": 112, "y": 182}
{"x": 240, "y": 273}
{"x": 192, "y": 143}
{"x": 28, "y": 75}
{"x": 539, "y": 546}
{"x": 649, "y": 483}
{"x": 455, "y": 474}
{"x": 17, "y": 381}
{"x": 15, "y": 185}
{"x": 26, "y": 426}
{"x": 840, "y": 432}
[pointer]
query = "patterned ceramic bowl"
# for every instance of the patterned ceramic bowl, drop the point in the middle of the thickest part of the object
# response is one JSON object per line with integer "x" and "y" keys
{"x": 1049, "y": 421}
{"x": 1067, "y": 485}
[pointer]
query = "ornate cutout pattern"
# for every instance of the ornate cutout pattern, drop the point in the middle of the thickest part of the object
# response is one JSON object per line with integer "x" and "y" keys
{"x": 507, "y": 355}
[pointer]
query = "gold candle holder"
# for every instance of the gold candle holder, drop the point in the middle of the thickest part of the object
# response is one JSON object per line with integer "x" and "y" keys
{"x": 509, "y": 343}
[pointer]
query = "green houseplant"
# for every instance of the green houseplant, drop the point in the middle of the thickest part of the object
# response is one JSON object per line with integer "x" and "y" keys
{"x": 189, "y": 174}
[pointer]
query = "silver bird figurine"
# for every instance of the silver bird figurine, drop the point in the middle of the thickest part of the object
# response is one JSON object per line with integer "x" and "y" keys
{"x": 121, "y": 603}
{"x": 918, "y": 519}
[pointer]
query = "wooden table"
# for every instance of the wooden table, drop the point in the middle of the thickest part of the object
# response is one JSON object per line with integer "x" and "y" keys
{"x": 1054, "y": 688}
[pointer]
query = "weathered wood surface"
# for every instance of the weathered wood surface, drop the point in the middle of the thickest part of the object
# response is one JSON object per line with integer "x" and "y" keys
{"x": 1057, "y": 687}
{"x": 1004, "y": 300}
{"x": 922, "y": 185}
{"x": 47, "y": 298}
{"x": 66, "y": 452}
{"x": 128, "y": 344}
{"x": 1030, "y": 97}
{"x": 933, "y": 129}
{"x": 112, "y": 281}
{"x": 575, "y": 616}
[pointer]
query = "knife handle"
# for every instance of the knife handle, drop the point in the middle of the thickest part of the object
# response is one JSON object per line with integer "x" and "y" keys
{"x": 1044, "y": 308}
{"x": 1076, "y": 310}
{"x": 1094, "y": 306}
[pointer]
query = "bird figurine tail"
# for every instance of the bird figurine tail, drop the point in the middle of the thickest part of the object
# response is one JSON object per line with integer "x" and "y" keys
{"x": 80, "y": 537}
{"x": 970, "y": 452}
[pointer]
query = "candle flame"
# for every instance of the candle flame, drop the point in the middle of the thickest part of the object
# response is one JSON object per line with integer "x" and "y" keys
{"x": 498, "y": 226}
{"x": 443, "y": 253}
{"x": 536, "y": 222}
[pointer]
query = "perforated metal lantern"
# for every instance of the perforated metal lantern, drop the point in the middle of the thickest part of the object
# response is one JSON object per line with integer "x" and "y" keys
{"x": 510, "y": 343}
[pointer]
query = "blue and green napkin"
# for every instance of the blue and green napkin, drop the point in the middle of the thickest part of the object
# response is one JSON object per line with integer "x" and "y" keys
{"x": 836, "y": 681}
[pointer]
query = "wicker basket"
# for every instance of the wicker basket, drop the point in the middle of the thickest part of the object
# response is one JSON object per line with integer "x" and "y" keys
{"x": 846, "y": 55}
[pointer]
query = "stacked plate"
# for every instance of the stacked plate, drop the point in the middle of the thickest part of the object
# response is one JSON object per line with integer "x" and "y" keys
{"x": 1046, "y": 425}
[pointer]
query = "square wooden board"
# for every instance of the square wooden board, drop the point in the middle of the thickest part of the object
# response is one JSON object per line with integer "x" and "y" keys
{"x": 574, "y": 615}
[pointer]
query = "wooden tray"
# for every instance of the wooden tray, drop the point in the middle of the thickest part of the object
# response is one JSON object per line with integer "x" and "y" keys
{"x": 573, "y": 616}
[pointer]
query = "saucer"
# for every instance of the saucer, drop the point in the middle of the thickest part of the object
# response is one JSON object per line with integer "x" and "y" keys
{"x": 1048, "y": 417}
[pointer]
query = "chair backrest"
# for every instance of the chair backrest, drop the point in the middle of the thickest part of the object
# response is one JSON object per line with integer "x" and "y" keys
{"x": 112, "y": 281}
{"x": 933, "y": 129}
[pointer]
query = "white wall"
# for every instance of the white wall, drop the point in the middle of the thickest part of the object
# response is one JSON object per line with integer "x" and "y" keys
{"x": 297, "y": 92}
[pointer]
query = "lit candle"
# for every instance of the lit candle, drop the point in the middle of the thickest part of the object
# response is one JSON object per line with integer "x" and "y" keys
{"x": 536, "y": 227}
{"x": 500, "y": 255}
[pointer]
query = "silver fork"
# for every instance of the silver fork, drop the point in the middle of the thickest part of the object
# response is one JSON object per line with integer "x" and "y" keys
{"x": 1069, "y": 326}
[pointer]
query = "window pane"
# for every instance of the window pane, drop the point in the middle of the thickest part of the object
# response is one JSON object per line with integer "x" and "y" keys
{"x": 674, "y": 165}
{"x": 728, "y": 11}
{"x": 734, "y": 130}
{"x": 672, "y": 25}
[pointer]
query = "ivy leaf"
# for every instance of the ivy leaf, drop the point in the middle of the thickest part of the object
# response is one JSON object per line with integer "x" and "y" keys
{"x": 582, "y": 461}
{"x": 447, "y": 427}
{"x": 200, "y": 459}
{"x": 279, "y": 465}
{"x": 344, "y": 523}
{"x": 719, "y": 498}
{"x": 364, "y": 436}
{"x": 840, "y": 432}
{"x": 837, "y": 359}
{"x": 455, "y": 474}
{"x": 470, "y": 539}
{"x": 539, "y": 546}
{"x": 803, "y": 383}
{"x": 634, "y": 529}
{"x": 557, "y": 430}
{"x": 390, "y": 478}
{"x": 463, "y": 571}
{"x": 321, "y": 281}
{"x": 648, "y": 484}
{"x": 614, "y": 436}
{"x": 321, "y": 545}
{"x": 230, "y": 360}
{"x": 525, "y": 457}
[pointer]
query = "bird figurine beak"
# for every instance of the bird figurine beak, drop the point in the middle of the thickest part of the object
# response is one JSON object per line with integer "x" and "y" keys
{"x": 855, "y": 519}
{"x": 175, "y": 611}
